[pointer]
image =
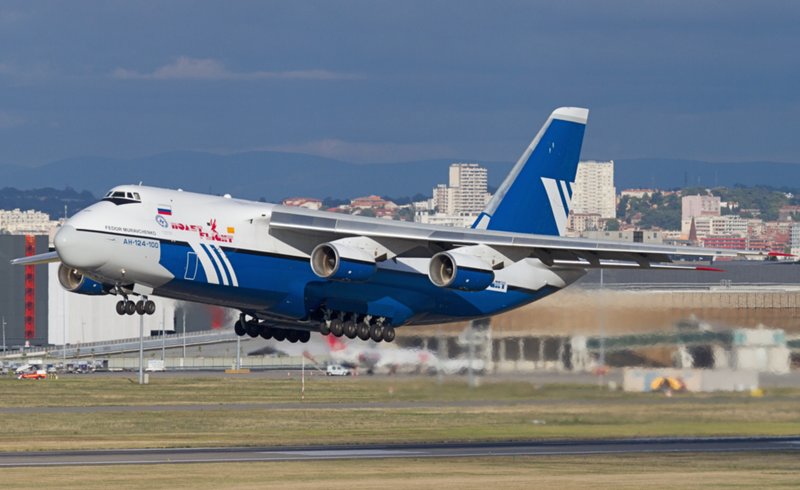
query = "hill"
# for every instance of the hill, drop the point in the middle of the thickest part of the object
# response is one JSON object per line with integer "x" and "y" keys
{"x": 276, "y": 175}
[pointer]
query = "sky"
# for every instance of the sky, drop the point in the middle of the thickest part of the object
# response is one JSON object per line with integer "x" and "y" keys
{"x": 388, "y": 81}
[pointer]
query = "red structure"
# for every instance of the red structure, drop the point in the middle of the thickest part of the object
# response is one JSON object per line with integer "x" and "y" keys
{"x": 30, "y": 289}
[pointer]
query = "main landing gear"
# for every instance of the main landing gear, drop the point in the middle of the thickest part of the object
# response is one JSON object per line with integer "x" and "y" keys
{"x": 142, "y": 307}
{"x": 254, "y": 328}
{"x": 351, "y": 325}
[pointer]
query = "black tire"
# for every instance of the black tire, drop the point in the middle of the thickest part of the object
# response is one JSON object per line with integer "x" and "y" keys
{"x": 388, "y": 334}
{"x": 363, "y": 331}
{"x": 293, "y": 336}
{"x": 266, "y": 333}
{"x": 350, "y": 329}
{"x": 120, "y": 307}
{"x": 149, "y": 307}
{"x": 239, "y": 328}
{"x": 140, "y": 307}
{"x": 253, "y": 329}
{"x": 305, "y": 336}
{"x": 376, "y": 333}
{"x": 337, "y": 328}
{"x": 324, "y": 329}
{"x": 279, "y": 334}
{"x": 130, "y": 307}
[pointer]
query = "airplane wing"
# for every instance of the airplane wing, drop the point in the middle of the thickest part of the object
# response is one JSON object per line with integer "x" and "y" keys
{"x": 44, "y": 258}
{"x": 404, "y": 239}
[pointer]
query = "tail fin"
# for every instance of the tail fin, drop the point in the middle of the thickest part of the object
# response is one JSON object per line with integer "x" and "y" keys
{"x": 536, "y": 195}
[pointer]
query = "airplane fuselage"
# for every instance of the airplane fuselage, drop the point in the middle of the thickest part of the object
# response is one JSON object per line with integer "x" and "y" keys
{"x": 222, "y": 251}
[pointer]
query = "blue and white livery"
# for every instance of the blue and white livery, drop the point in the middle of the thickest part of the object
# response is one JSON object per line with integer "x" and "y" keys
{"x": 292, "y": 271}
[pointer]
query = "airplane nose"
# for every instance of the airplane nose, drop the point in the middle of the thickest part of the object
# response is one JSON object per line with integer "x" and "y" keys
{"x": 79, "y": 249}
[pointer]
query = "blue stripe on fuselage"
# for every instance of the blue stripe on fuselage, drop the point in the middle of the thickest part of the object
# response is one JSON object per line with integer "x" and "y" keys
{"x": 285, "y": 285}
{"x": 213, "y": 263}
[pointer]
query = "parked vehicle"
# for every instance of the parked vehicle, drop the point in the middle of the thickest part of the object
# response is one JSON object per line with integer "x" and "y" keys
{"x": 37, "y": 374}
{"x": 337, "y": 370}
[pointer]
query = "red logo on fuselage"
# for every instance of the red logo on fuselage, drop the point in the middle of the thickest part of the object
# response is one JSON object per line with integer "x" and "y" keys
{"x": 212, "y": 235}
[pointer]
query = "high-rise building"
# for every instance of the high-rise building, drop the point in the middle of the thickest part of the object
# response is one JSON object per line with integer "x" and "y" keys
{"x": 466, "y": 193}
{"x": 594, "y": 191}
{"x": 795, "y": 250}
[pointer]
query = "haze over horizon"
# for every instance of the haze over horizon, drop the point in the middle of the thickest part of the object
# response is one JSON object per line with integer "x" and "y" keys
{"x": 376, "y": 82}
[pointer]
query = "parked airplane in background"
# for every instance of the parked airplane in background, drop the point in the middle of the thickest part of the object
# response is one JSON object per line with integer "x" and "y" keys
{"x": 292, "y": 271}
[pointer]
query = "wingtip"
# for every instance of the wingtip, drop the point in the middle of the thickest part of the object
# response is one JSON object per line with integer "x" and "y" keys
{"x": 708, "y": 269}
{"x": 574, "y": 114}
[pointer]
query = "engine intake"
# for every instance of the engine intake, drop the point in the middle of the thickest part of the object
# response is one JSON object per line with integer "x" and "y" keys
{"x": 75, "y": 281}
{"x": 342, "y": 263}
{"x": 460, "y": 271}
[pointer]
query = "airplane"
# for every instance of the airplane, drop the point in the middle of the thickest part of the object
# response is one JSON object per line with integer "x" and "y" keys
{"x": 293, "y": 271}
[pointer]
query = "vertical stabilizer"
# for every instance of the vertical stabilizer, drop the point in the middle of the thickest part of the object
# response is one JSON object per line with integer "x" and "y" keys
{"x": 536, "y": 196}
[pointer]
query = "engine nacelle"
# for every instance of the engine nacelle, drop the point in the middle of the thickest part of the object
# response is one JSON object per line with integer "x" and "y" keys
{"x": 75, "y": 282}
{"x": 340, "y": 262}
{"x": 455, "y": 270}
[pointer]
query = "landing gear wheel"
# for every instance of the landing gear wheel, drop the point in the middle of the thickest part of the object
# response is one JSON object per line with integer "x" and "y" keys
{"x": 350, "y": 329}
{"x": 253, "y": 329}
{"x": 363, "y": 331}
{"x": 149, "y": 307}
{"x": 388, "y": 334}
{"x": 305, "y": 336}
{"x": 337, "y": 328}
{"x": 140, "y": 307}
{"x": 324, "y": 329}
{"x": 120, "y": 307}
{"x": 239, "y": 328}
{"x": 292, "y": 336}
{"x": 279, "y": 334}
{"x": 130, "y": 307}
{"x": 266, "y": 333}
{"x": 376, "y": 333}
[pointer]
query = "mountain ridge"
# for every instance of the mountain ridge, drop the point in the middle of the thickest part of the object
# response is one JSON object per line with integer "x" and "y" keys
{"x": 276, "y": 175}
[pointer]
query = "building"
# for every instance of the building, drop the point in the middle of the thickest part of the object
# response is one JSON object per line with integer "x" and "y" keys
{"x": 24, "y": 293}
{"x": 594, "y": 191}
{"x": 795, "y": 244}
{"x": 695, "y": 206}
{"x": 579, "y": 223}
{"x": 303, "y": 202}
{"x": 30, "y": 222}
{"x": 466, "y": 193}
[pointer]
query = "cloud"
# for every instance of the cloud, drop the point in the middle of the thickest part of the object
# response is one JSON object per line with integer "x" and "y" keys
{"x": 358, "y": 152}
{"x": 8, "y": 120}
{"x": 185, "y": 68}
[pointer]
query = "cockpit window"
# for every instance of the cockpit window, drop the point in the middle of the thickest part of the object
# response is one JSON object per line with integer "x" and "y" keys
{"x": 122, "y": 197}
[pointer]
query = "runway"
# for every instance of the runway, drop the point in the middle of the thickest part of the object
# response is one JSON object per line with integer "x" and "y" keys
{"x": 457, "y": 450}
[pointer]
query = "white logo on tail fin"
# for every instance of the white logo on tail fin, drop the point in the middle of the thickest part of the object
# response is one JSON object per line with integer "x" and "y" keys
{"x": 560, "y": 199}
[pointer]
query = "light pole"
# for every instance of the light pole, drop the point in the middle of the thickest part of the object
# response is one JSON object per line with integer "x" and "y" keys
{"x": 184, "y": 335}
{"x": 141, "y": 349}
{"x": 4, "y": 335}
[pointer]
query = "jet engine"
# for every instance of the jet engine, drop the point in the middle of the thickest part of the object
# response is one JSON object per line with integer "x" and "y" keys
{"x": 341, "y": 262}
{"x": 75, "y": 281}
{"x": 455, "y": 270}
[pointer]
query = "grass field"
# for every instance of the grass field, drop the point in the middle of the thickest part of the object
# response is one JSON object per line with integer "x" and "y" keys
{"x": 739, "y": 470}
{"x": 180, "y": 411}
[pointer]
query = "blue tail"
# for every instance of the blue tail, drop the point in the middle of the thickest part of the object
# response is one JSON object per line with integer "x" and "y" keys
{"x": 536, "y": 195}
